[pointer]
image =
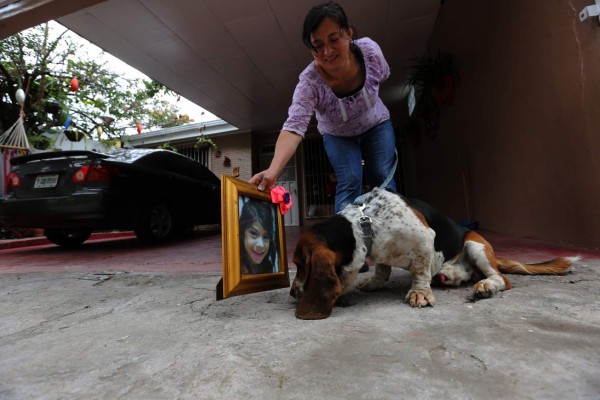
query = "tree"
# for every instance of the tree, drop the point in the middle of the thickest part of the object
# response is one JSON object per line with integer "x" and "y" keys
{"x": 43, "y": 60}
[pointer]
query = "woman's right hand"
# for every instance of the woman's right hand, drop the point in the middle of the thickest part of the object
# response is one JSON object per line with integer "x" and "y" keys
{"x": 265, "y": 179}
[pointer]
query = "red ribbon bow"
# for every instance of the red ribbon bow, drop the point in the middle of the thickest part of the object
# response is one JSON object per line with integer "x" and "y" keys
{"x": 282, "y": 197}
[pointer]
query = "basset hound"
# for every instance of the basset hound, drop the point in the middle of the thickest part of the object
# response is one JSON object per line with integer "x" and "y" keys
{"x": 394, "y": 231}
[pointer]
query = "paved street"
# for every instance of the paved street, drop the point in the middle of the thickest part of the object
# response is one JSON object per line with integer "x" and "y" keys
{"x": 121, "y": 252}
{"x": 117, "y": 320}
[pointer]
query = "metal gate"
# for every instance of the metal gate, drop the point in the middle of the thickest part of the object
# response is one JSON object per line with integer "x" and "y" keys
{"x": 319, "y": 196}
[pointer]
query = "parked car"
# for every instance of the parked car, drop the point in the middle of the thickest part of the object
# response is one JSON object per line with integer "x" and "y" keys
{"x": 71, "y": 194}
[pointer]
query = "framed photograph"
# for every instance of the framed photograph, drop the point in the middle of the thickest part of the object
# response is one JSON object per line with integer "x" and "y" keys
{"x": 254, "y": 254}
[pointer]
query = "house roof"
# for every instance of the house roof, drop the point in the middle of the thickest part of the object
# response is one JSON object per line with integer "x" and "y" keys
{"x": 182, "y": 133}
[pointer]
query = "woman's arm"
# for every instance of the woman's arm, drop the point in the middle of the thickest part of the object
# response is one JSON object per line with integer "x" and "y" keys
{"x": 286, "y": 146}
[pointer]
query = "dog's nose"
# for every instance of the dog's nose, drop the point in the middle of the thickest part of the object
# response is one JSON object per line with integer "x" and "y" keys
{"x": 293, "y": 292}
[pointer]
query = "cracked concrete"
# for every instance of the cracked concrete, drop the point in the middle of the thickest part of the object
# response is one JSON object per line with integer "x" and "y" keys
{"x": 163, "y": 336}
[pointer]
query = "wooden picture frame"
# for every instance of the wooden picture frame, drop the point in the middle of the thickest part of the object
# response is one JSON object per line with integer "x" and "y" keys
{"x": 247, "y": 266}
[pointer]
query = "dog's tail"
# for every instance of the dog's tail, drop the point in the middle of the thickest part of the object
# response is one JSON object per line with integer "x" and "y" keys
{"x": 557, "y": 266}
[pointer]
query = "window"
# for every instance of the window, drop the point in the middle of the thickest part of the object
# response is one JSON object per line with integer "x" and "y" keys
{"x": 195, "y": 154}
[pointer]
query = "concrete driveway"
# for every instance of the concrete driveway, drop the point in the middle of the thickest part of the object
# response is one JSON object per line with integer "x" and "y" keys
{"x": 162, "y": 335}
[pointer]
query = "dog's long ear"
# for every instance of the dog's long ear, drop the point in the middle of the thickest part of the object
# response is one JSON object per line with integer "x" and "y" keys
{"x": 322, "y": 286}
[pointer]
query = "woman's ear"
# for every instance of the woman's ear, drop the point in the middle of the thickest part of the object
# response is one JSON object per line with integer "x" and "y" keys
{"x": 348, "y": 34}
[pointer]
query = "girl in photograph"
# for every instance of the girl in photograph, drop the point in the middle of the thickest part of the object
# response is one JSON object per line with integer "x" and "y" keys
{"x": 257, "y": 238}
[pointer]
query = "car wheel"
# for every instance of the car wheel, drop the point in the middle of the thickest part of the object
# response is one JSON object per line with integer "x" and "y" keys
{"x": 155, "y": 223}
{"x": 67, "y": 237}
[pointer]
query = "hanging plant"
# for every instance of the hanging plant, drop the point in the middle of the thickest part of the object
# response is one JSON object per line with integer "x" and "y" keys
{"x": 74, "y": 135}
{"x": 435, "y": 78}
{"x": 203, "y": 143}
{"x": 435, "y": 74}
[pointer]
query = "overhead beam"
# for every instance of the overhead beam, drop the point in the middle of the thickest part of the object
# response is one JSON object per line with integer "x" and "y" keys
{"x": 19, "y": 15}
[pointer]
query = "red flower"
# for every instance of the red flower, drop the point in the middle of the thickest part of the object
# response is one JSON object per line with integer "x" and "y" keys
{"x": 282, "y": 197}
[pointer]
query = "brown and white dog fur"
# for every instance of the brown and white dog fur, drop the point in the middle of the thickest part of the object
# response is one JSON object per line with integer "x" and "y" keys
{"x": 409, "y": 234}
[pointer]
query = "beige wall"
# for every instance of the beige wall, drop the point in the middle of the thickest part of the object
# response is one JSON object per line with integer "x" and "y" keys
{"x": 518, "y": 150}
{"x": 238, "y": 148}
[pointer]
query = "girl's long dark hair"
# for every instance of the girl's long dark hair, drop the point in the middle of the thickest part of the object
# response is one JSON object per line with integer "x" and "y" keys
{"x": 262, "y": 212}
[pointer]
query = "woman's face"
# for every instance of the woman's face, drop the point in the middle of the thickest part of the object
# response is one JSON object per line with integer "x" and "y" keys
{"x": 256, "y": 242}
{"x": 331, "y": 45}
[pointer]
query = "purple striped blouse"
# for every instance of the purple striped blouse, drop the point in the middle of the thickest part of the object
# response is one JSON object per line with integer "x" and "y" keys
{"x": 347, "y": 116}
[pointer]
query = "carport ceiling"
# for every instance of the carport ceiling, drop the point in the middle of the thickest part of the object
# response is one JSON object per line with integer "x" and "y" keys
{"x": 240, "y": 59}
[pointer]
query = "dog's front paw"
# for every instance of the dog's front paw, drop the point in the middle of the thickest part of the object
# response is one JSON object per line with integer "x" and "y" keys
{"x": 485, "y": 288}
{"x": 420, "y": 298}
{"x": 370, "y": 285}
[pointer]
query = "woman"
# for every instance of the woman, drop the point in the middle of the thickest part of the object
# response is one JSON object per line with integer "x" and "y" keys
{"x": 257, "y": 238}
{"x": 341, "y": 86}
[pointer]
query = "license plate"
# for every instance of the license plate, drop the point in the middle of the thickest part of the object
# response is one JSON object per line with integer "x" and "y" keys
{"x": 45, "y": 181}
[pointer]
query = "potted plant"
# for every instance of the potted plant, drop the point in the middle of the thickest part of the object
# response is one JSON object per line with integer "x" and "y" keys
{"x": 434, "y": 78}
{"x": 203, "y": 142}
{"x": 74, "y": 135}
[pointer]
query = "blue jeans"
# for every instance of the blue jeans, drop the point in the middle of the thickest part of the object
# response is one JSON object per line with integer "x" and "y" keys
{"x": 376, "y": 146}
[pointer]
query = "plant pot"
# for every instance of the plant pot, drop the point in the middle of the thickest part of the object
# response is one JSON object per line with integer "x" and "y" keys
{"x": 74, "y": 136}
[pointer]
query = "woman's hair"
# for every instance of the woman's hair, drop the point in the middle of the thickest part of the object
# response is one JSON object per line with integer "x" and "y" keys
{"x": 261, "y": 212}
{"x": 317, "y": 14}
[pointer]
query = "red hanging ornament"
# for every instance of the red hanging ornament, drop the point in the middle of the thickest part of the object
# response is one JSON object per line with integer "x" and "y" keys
{"x": 139, "y": 128}
{"x": 74, "y": 85}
